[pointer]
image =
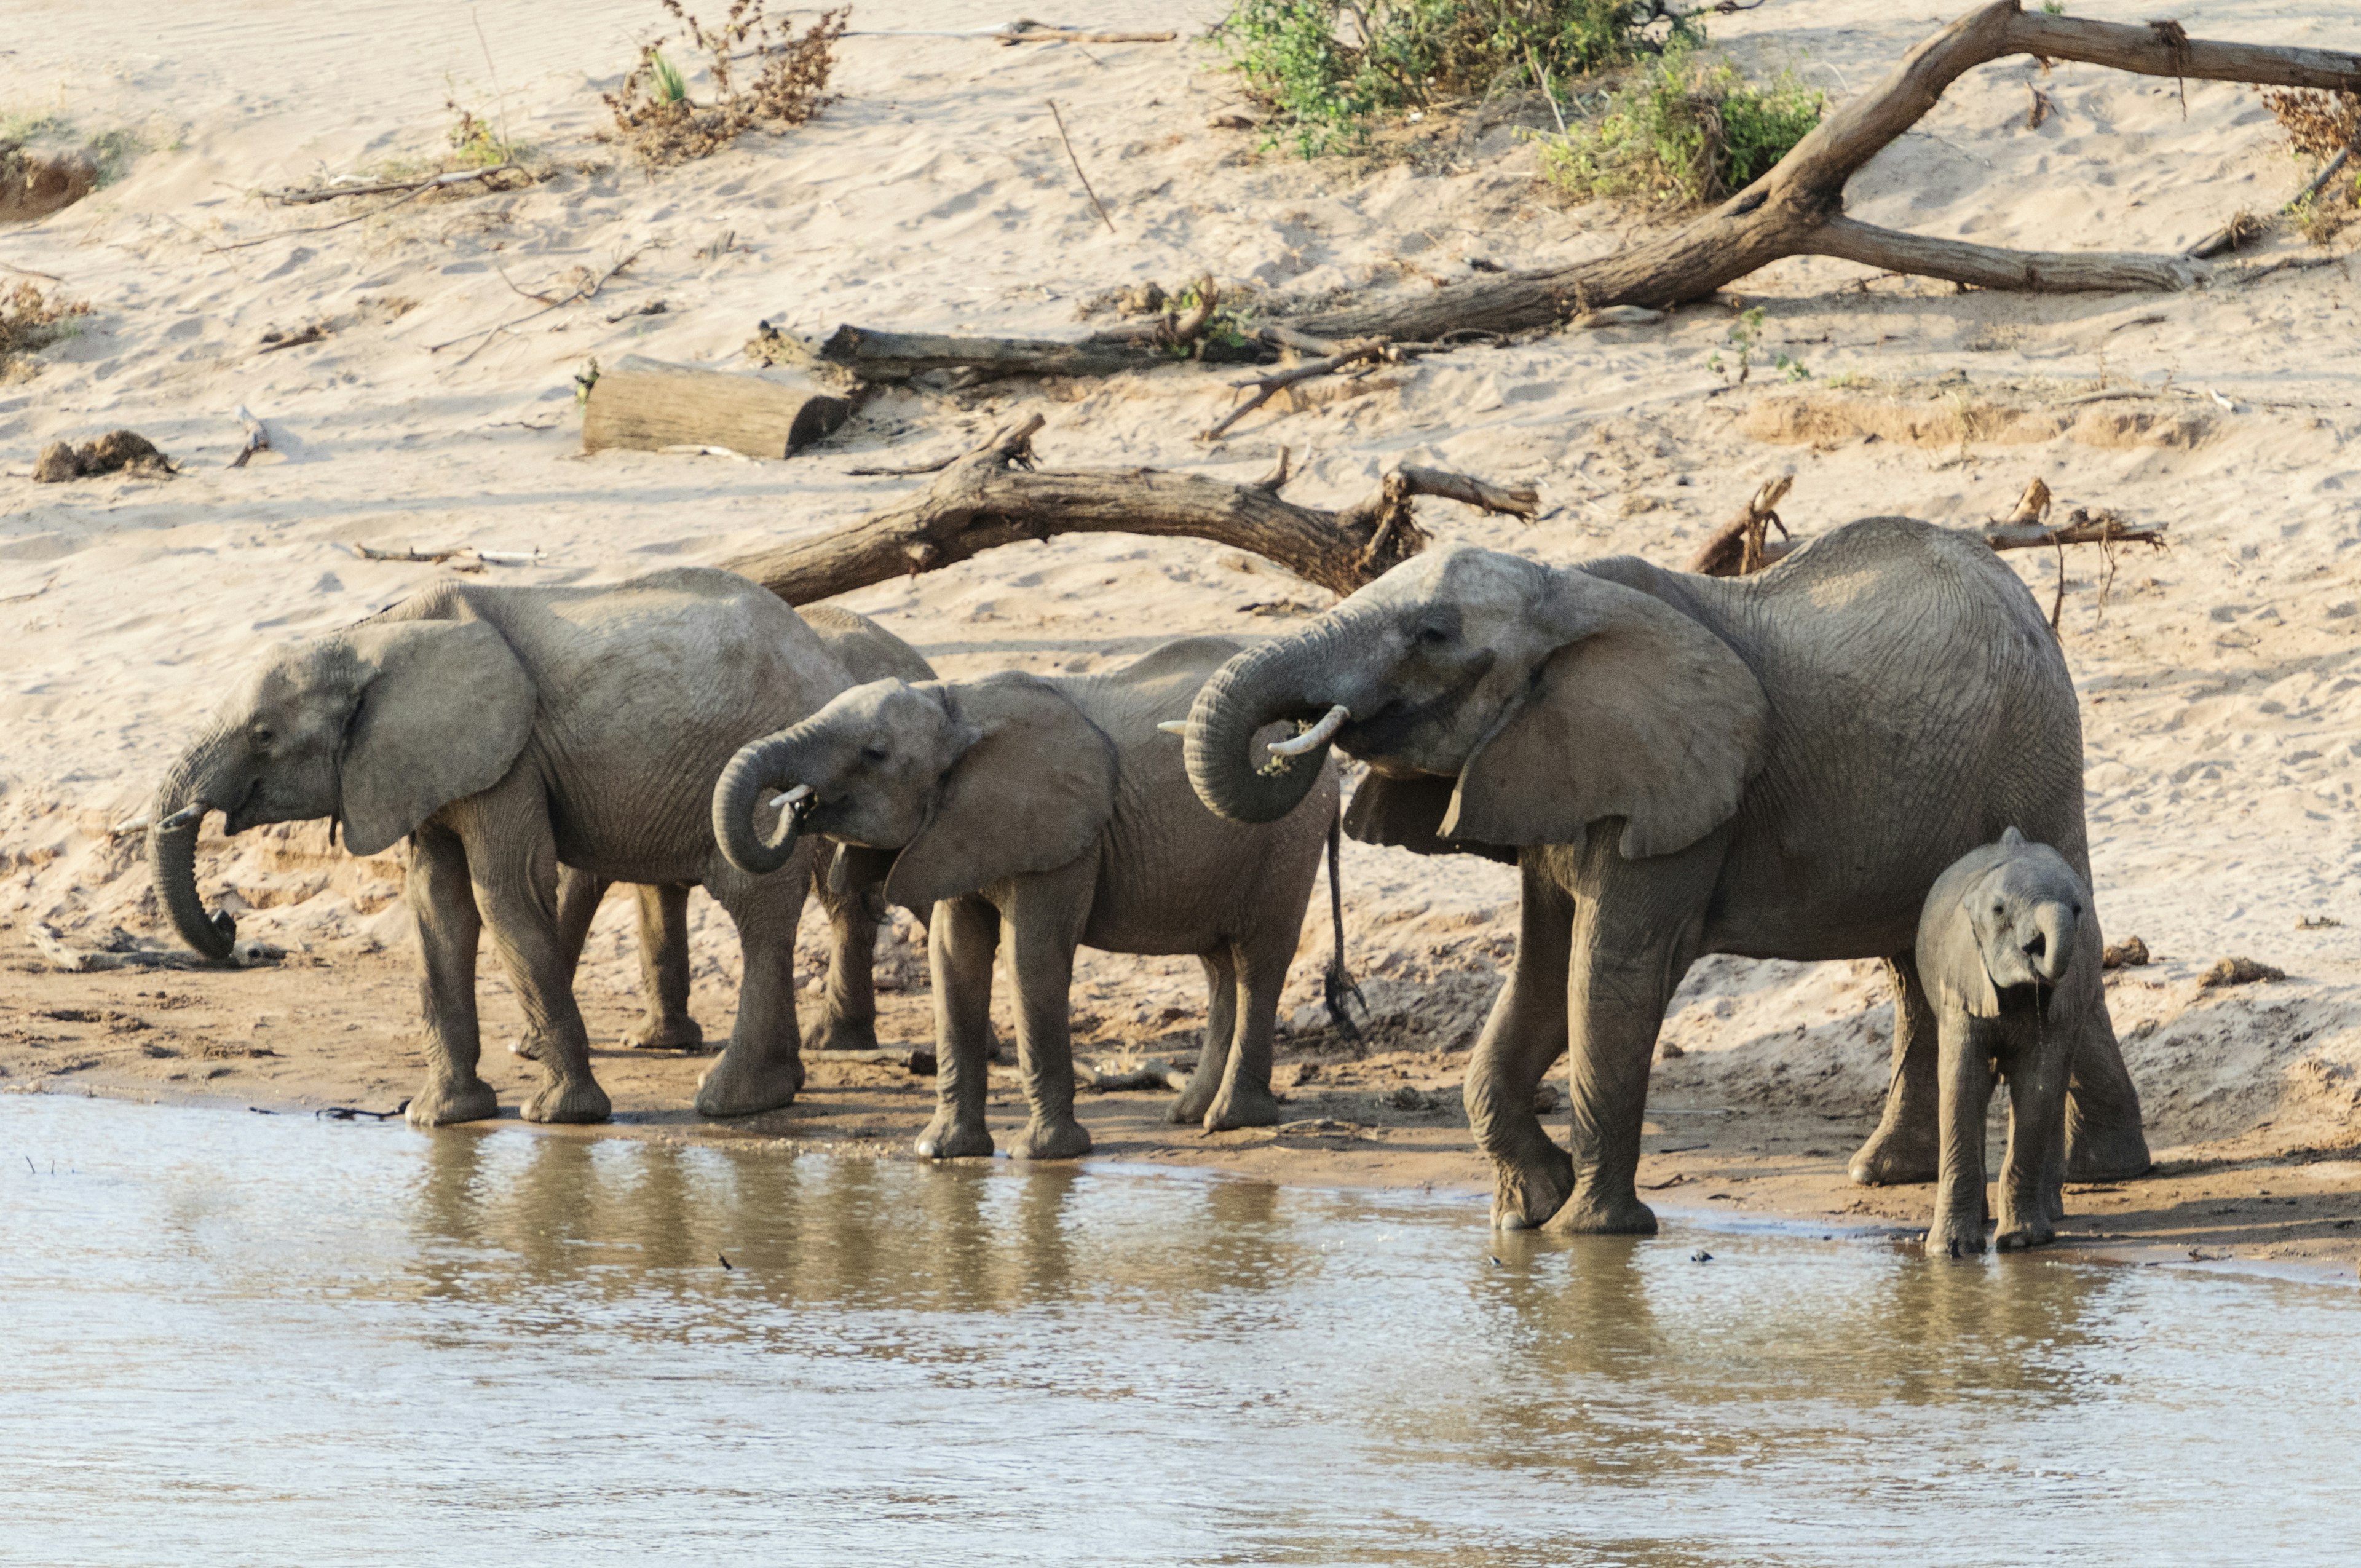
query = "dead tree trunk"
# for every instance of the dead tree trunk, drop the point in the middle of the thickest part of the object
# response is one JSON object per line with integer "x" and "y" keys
{"x": 994, "y": 496}
{"x": 1797, "y": 208}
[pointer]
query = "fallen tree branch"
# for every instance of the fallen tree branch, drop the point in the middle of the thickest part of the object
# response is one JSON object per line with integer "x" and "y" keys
{"x": 1796, "y": 208}
{"x": 466, "y": 556}
{"x": 1739, "y": 547}
{"x": 1369, "y": 350}
{"x": 994, "y": 496}
{"x": 309, "y": 194}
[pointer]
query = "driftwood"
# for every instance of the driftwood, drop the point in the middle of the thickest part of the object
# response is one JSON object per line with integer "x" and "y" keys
{"x": 994, "y": 496}
{"x": 1797, "y": 208}
{"x": 649, "y": 406}
{"x": 459, "y": 557}
{"x": 1739, "y": 548}
{"x": 309, "y": 194}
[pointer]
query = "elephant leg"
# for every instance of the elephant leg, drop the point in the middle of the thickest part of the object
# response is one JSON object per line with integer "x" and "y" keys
{"x": 449, "y": 929}
{"x": 961, "y": 939}
{"x": 664, "y": 970}
{"x": 848, "y": 1014}
{"x": 1246, "y": 1099}
{"x": 1221, "y": 1030}
{"x": 513, "y": 861}
{"x": 1637, "y": 927}
{"x": 761, "y": 1067}
{"x": 1964, "y": 1084}
{"x": 1907, "y": 1147}
{"x": 2029, "y": 1199}
{"x": 1045, "y": 915}
{"x": 1525, "y": 1034}
{"x": 2104, "y": 1138}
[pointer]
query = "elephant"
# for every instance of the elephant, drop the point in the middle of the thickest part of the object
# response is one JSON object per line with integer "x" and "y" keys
{"x": 849, "y": 1019}
{"x": 2013, "y": 971}
{"x": 1776, "y": 765}
{"x": 1056, "y": 809}
{"x": 507, "y": 731}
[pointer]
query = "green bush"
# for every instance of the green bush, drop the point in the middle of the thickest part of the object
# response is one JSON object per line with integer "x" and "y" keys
{"x": 1326, "y": 69}
{"x": 1683, "y": 132}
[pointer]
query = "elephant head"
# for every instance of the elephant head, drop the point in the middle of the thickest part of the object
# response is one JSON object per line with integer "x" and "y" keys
{"x": 971, "y": 782}
{"x": 2011, "y": 918}
{"x": 377, "y": 727}
{"x": 1499, "y": 702}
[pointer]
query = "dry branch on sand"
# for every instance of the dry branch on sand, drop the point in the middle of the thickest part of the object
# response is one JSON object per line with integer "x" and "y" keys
{"x": 994, "y": 496}
{"x": 1797, "y": 208}
{"x": 649, "y": 406}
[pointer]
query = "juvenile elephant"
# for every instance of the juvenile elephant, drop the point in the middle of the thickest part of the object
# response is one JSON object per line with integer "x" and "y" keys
{"x": 507, "y": 731}
{"x": 848, "y": 1020}
{"x": 2011, "y": 967}
{"x": 1053, "y": 808}
{"x": 1776, "y": 766}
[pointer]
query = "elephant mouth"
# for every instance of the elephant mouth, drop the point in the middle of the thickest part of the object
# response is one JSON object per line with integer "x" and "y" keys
{"x": 1396, "y": 727}
{"x": 246, "y": 813}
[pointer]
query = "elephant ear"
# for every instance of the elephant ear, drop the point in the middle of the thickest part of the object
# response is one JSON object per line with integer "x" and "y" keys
{"x": 1642, "y": 714}
{"x": 444, "y": 709}
{"x": 1950, "y": 960}
{"x": 1408, "y": 813}
{"x": 1033, "y": 789}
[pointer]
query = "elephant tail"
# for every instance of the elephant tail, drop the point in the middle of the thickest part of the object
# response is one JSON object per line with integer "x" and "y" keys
{"x": 1337, "y": 986}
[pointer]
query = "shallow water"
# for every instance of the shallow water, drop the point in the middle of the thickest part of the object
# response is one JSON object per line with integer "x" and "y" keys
{"x": 235, "y": 1338}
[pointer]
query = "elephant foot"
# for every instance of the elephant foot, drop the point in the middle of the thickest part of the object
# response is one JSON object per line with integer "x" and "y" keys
{"x": 1897, "y": 1155}
{"x": 569, "y": 1100}
{"x": 1240, "y": 1107}
{"x": 1953, "y": 1235}
{"x": 740, "y": 1085}
{"x": 837, "y": 1033}
{"x": 951, "y": 1137}
{"x": 1526, "y": 1193}
{"x": 1601, "y": 1214}
{"x": 443, "y": 1103}
{"x": 681, "y": 1033}
{"x": 1067, "y": 1139}
{"x": 2017, "y": 1236}
{"x": 2096, "y": 1153}
{"x": 1194, "y": 1101}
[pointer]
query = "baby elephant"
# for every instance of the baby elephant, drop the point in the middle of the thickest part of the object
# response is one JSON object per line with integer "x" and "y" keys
{"x": 1051, "y": 809}
{"x": 2011, "y": 965}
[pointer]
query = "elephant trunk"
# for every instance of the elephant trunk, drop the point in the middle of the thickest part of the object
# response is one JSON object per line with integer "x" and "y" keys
{"x": 179, "y": 811}
{"x": 2055, "y": 922}
{"x": 1295, "y": 677}
{"x": 759, "y": 766}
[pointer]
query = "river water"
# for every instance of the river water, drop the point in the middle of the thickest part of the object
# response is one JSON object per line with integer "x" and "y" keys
{"x": 231, "y": 1338}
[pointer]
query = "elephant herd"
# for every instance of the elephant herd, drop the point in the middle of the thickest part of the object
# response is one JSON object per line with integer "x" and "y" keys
{"x": 1872, "y": 749}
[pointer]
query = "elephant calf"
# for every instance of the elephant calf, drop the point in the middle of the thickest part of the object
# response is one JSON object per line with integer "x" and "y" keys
{"x": 2011, "y": 967}
{"x": 1053, "y": 809}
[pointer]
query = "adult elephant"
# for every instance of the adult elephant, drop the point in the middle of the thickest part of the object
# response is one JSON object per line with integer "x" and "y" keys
{"x": 507, "y": 731}
{"x": 1774, "y": 766}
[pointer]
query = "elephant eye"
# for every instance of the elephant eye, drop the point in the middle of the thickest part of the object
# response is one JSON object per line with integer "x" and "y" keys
{"x": 1433, "y": 637}
{"x": 872, "y": 753}
{"x": 263, "y": 735}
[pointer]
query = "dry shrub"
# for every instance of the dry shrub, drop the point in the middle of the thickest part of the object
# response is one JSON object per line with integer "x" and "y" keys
{"x": 654, "y": 115}
{"x": 2318, "y": 125}
{"x": 31, "y": 321}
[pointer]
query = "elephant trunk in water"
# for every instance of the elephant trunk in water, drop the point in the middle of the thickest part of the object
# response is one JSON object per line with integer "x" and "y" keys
{"x": 188, "y": 792}
{"x": 760, "y": 766}
{"x": 1291, "y": 678}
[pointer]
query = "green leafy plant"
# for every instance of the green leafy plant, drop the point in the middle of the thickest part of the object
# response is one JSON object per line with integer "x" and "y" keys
{"x": 1745, "y": 335}
{"x": 1328, "y": 70}
{"x": 666, "y": 84}
{"x": 1682, "y": 132}
{"x": 2053, "y": 7}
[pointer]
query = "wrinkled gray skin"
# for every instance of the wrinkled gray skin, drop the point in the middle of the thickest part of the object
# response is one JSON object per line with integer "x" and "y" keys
{"x": 1775, "y": 766}
{"x": 1053, "y": 811}
{"x": 507, "y": 731}
{"x": 2013, "y": 969}
{"x": 848, "y": 1020}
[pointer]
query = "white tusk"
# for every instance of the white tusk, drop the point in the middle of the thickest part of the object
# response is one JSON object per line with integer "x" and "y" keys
{"x": 1174, "y": 726}
{"x": 1319, "y": 735}
{"x": 183, "y": 818}
{"x": 793, "y": 798}
{"x": 125, "y": 829}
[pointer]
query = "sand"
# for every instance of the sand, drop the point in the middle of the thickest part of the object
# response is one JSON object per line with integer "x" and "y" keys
{"x": 2222, "y": 688}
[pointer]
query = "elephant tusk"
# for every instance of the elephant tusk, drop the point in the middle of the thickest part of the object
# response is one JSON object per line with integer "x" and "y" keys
{"x": 793, "y": 798}
{"x": 125, "y": 829}
{"x": 1173, "y": 726}
{"x": 1319, "y": 735}
{"x": 183, "y": 817}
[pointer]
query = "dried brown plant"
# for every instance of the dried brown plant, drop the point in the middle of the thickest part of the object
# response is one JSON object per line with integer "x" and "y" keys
{"x": 2318, "y": 125}
{"x": 31, "y": 320}
{"x": 662, "y": 124}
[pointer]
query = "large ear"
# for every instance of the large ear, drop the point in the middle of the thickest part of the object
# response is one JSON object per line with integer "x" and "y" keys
{"x": 1409, "y": 813}
{"x": 1950, "y": 960}
{"x": 1642, "y": 714}
{"x": 444, "y": 711}
{"x": 1032, "y": 791}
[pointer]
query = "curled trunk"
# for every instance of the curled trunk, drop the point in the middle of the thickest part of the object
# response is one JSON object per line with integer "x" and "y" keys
{"x": 172, "y": 854}
{"x": 737, "y": 802}
{"x": 2055, "y": 923}
{"x": 1287, "y": 679}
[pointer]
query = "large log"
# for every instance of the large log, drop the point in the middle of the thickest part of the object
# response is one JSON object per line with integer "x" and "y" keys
{"x": 1796, "y": 208}
{"x": 994, "y": 497}
{"x": 649, "y": 406}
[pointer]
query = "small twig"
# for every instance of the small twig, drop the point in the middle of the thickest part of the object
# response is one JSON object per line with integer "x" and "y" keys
{"x": 582, "y": 291}
{"x": 937, "y": 467}
{"x": 2057, "y": 605}
{"x": 257, "y": 438}
{"x": 1367, "y": 349}
{"x": 312, "y": 333}
{"x": 331, "y": 192}
{"x": 37, "y": 593}
{"x": 1076, "y": 162}
{"x": 1542, "y": 76}
{"x": 468, "y": 557}
{"x": 30, "y": 272}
